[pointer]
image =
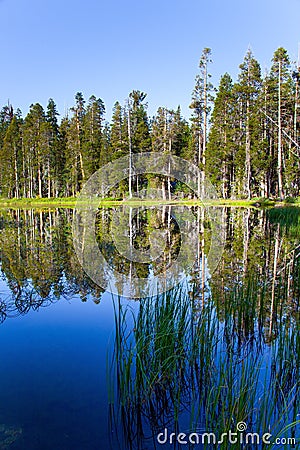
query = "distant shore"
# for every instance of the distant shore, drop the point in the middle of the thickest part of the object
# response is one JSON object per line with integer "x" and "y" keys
{"x": 70, "y": 202}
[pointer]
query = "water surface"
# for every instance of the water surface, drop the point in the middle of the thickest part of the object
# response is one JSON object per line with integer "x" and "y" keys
{"x": 67, "y": 343}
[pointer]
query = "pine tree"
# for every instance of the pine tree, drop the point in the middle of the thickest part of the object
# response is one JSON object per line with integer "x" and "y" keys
{"x": 76, "y": 129}
{"x": 105, "y": 153}
{"x": 294, "y": 160}
{"x": 138, "y": 133}
{"x": 6, "y": 116}
{"x": 201, "y": 98}
{"x": 163, "y": 136}
{"x": 35, "y": 151}
{"x": 118, "y": 133}
{"x": 159, "y": 130}
{"x": 139, "y": 124}
{"x": 93, "y": 139}
{"x": 181, "y": 131}
{"x": 55, "y": 161}
{"x": 169, "y": 135}
{"x": 75, "y": 169}
{"x": 280, "y": 111}
{"x": 248, "y": 89}
{"x": 221, "y": 146}
{"x": 11, "y": 159}
{"x": 65, "y": 185}
{"x": 170, "y": 132}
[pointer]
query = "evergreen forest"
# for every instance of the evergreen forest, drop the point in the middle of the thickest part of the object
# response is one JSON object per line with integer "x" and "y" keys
{"x": 244, "y": 135}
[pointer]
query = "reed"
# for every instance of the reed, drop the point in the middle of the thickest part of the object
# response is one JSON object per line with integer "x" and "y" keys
{"x": 179, "y": 363}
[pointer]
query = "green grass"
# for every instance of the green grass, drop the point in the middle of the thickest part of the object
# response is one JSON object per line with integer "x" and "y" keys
{"x": 288, "y": 217}
{"x": 70, "y": 202}
{"x": 176, "y": 362}
{"x": 37, "y": 202}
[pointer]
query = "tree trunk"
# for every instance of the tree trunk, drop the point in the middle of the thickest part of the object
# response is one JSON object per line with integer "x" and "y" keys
{"x": 199, "y": 163}
{"x": 49, "y": 179}
{"x": 204, "y": 129}
{"x": 279, "y": 152}
{"x": 247, "y": 159}
{"x": 16, "y": 175}
{"x": 163, "y": 189}
{"x": 40, "y": 181}
{"x": 276, "y": 254}
{"x": 130, "y": 154}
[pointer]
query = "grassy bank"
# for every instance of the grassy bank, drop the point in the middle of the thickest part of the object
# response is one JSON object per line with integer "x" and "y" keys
{"x": 70, "y": 202}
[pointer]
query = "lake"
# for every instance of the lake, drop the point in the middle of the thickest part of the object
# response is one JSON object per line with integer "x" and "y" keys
{"x": 207, "y": 356}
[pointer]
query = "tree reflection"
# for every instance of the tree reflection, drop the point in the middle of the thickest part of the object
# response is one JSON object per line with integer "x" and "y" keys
{"x": 38, "y": 263}
{"x": 208, "y": 355}
{"x": 179, "y": 366}
{"x": 220, "y": 349}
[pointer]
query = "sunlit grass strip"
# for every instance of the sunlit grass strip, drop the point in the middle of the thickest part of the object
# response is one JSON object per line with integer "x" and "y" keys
{"x": 65, "y": 202}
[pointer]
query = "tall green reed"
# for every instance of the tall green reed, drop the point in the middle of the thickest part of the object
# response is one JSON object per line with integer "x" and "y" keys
{"x": 181, "y": 363}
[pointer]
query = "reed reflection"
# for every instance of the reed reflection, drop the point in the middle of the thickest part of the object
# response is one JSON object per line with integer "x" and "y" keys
{"x": 207, "y": 356}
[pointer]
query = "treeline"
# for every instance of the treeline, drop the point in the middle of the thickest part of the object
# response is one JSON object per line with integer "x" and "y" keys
{"x": 244, "y": 135}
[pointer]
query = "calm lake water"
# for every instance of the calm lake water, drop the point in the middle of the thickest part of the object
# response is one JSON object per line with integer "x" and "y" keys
{"x": 82, "y": 368}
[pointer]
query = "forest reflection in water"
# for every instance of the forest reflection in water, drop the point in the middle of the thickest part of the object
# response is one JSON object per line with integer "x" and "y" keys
{"x": 217, "y": 350}
{"x": 39, "y": 264}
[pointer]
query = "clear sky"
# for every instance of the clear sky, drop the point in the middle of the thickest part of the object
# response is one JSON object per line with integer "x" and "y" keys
{"x": 107, "y": 48}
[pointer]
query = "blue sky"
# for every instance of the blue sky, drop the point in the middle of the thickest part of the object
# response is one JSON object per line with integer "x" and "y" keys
{"x": 107, "y": 48}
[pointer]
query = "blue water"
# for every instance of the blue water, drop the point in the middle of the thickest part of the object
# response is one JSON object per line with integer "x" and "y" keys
{"x": 53, "y": 376}
{"x": 53, "y": 362}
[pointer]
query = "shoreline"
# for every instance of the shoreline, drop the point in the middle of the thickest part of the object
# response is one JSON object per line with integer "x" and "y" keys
{"x": 70, "y": 202}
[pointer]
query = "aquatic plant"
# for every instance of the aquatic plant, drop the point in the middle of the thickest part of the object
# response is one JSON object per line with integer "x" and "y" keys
{"x": 178, "y": 364}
